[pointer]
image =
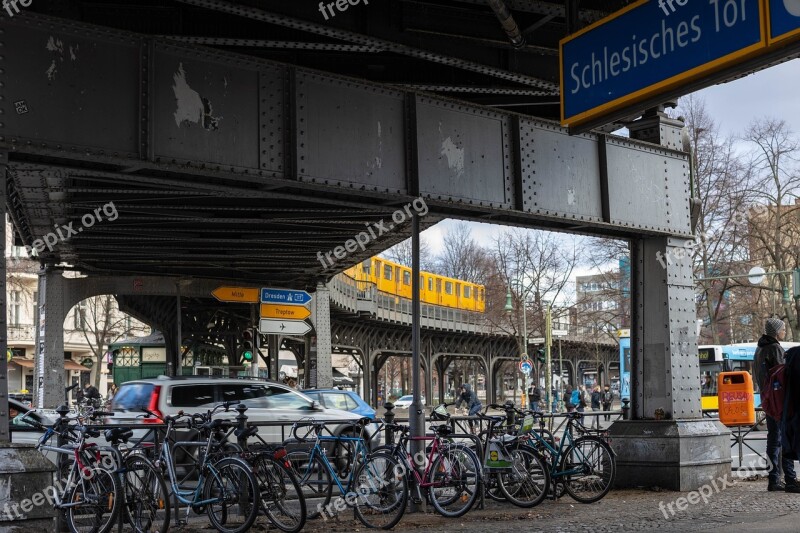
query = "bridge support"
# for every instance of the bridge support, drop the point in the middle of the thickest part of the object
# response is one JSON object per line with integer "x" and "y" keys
{"x": 667, "y": 444}
{"x": 49, "y": 364}
{"x": 322, "y": 327}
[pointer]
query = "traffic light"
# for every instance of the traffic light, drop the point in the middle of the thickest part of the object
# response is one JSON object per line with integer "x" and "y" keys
{"x": 247, "y": 345}
{"x": 540, "y": 355}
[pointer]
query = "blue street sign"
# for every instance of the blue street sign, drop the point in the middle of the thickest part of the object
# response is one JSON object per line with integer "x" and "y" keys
{"x": 651, "y": 48}
{"x": 784, "y": 19}
{"x": 284, "y": 296}
{"x": 526, "y": 367}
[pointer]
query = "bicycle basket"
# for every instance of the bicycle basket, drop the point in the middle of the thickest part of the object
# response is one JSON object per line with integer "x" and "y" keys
{"x": 527, "y": 425}
{"x": 440, "y": 413}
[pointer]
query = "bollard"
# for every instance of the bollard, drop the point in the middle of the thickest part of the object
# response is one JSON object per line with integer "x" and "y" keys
{"x": 389, "y": 418}
{"x": 626, "y": 415}
{"x": 241, "y": 420}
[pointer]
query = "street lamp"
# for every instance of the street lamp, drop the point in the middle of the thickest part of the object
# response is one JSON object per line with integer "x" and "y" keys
{"x": 509, "y": 308}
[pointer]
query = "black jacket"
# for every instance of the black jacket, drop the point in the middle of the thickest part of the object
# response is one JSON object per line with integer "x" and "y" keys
{"x": 468, "y": 397}
{"x": 790, "y": 422}
{"x": 768, "y": 354}
{"x": 596, "y": 399}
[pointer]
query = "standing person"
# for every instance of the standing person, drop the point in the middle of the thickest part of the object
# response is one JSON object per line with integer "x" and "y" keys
{"x": 582, "y": 400}
{"x": 568, "y": 396}
{"x": 608, "y": 398}
{"x": 468, "y": 397}
{"x": 535, "y": 396}
{"x": 769, "y": 354}
{"x": 596, "y": 397}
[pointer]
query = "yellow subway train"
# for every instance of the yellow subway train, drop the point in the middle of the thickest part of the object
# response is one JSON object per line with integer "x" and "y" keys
{"x": 394, "y": 278}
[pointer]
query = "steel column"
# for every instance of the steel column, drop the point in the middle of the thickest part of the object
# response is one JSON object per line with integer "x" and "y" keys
{"x": 5, "y": 436}
{"x": 50, "y": 339}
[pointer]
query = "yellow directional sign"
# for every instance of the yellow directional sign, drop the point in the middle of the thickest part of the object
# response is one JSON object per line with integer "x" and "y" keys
{"x": 236, "y": 294}
{"x": 285, "y": 312}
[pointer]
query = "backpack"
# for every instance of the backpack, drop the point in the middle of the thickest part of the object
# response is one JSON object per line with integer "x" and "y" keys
{"x": 575, "y": 398}
{"x": 536, "y": 394}
{"x": 608, "y": 397}
{"x": 774, "y": 392}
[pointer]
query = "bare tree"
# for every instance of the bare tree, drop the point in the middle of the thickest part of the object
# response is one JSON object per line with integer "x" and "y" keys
{"x": 402, "y": 253}
{"x": 535, "y": 267}
{"x": 462, "y": 257}
{"x": 102, "y": 324}
{"x": 774, "y": 231}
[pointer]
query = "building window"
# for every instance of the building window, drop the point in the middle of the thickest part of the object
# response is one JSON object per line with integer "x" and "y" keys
{"x": 79, "y": 317}
{"x": 35, "y": 305}
{"x": 128, "y": 325}
{"x": 15, "y": 308}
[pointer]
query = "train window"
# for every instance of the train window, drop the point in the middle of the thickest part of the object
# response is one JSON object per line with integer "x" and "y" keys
{"x": 387, "y": 272}
{"x": 422, "y": 283}
{"x": 406, "y": 277}
{"x": 430, "y": 284}
{"x": 480, "y": 294}
{"x": 397, "y": 274}
{"x": 467, "y": 291}
{"x": 458, "y": 290}
{"x": 366, "y": 266}
{"x": 448, "y": 287}
{"x": 378, "y": 269}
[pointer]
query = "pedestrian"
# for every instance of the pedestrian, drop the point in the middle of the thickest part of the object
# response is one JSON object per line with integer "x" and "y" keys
{"x": 91, "y": 395}
{"x": 583, "y": 401}
{"x": 769, "y": 353}
{"x": 569, "y": 394}
{"x": 112, "y": 390}
{"x": 596, "y": 397}
{"x": 535, "y": 396}
{"x": 468, "y": 397}
{"x": 608, "y": 398}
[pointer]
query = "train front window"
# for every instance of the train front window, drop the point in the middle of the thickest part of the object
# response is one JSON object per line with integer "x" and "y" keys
{"x": 746, "y": 366}
{"x": 708, "y": 379}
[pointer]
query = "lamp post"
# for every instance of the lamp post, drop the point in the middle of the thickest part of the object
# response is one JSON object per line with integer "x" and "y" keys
{"x": 509, "y": 308}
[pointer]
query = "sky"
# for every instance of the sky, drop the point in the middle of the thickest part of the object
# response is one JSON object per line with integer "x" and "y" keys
{"x": 772, "y": 92}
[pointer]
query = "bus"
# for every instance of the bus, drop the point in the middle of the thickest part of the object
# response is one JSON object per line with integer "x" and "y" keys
{"x": 716, "y": 358}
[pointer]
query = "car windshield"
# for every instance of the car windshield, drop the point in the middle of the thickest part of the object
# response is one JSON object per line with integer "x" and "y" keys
{"x": 406, "y": 398}
{"x": 132, "y": 397}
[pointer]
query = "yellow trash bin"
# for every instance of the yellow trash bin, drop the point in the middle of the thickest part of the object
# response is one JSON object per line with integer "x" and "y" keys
{"x": 736, "y": 399}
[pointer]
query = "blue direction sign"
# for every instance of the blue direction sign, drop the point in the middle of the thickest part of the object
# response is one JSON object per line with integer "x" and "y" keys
{"x": 526, "y": 366}
{"x": 284, "y": 296}
{"x": 784, "y": 19}
{"x": 651, "y": 48}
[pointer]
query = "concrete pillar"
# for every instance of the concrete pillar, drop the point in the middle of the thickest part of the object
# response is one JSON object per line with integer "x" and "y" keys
{"x": 322, "y": 325}
{"x": 667, "y": 444}
{"x": 49, "y": 370}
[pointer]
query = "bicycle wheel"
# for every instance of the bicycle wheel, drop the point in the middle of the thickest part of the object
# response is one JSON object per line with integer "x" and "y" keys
{"x": 314, "y": 479}
{"x": 594, "y": 468}
{"x": 281, "y": 496}
{"x": 380, "y": 491}
{"x": 527, "y": 483}
{"x": 455, "y": 478}
{"x": 233, "y": 489}
{"x": 147, "y": 503}
{"x": 94, "y": 502}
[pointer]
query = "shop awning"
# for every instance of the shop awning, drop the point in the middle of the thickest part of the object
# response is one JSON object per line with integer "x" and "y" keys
{"x": 69, "y": 364}
{"x": 27, "y": 363}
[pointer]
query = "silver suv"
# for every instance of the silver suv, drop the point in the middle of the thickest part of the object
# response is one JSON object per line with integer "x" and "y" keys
{"x": 267, "y": 401}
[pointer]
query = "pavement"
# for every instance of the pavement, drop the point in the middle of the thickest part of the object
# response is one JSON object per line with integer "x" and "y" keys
{"x": 738, "y": 505}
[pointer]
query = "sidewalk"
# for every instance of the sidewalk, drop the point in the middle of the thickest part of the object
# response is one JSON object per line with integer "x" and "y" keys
{"x": 744, "y": 506}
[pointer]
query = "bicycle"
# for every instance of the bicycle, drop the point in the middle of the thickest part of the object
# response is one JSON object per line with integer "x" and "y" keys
{"x": 90, "y": 497}
{"x": 226, "y": 490}
{"x": 282, "y": 498}
{"x": 374, "y": 486}
{"x": 452, "y": 474}
{"x": 520, "y": 473}
{"x": 584, "y": 467}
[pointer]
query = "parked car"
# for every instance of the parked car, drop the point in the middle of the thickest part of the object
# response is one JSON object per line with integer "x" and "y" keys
{"x": 267, "y": 401}
{"x": 404, "y": 402}
{"x": 344, "y": 400}
{"x": 24, "y": 433}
